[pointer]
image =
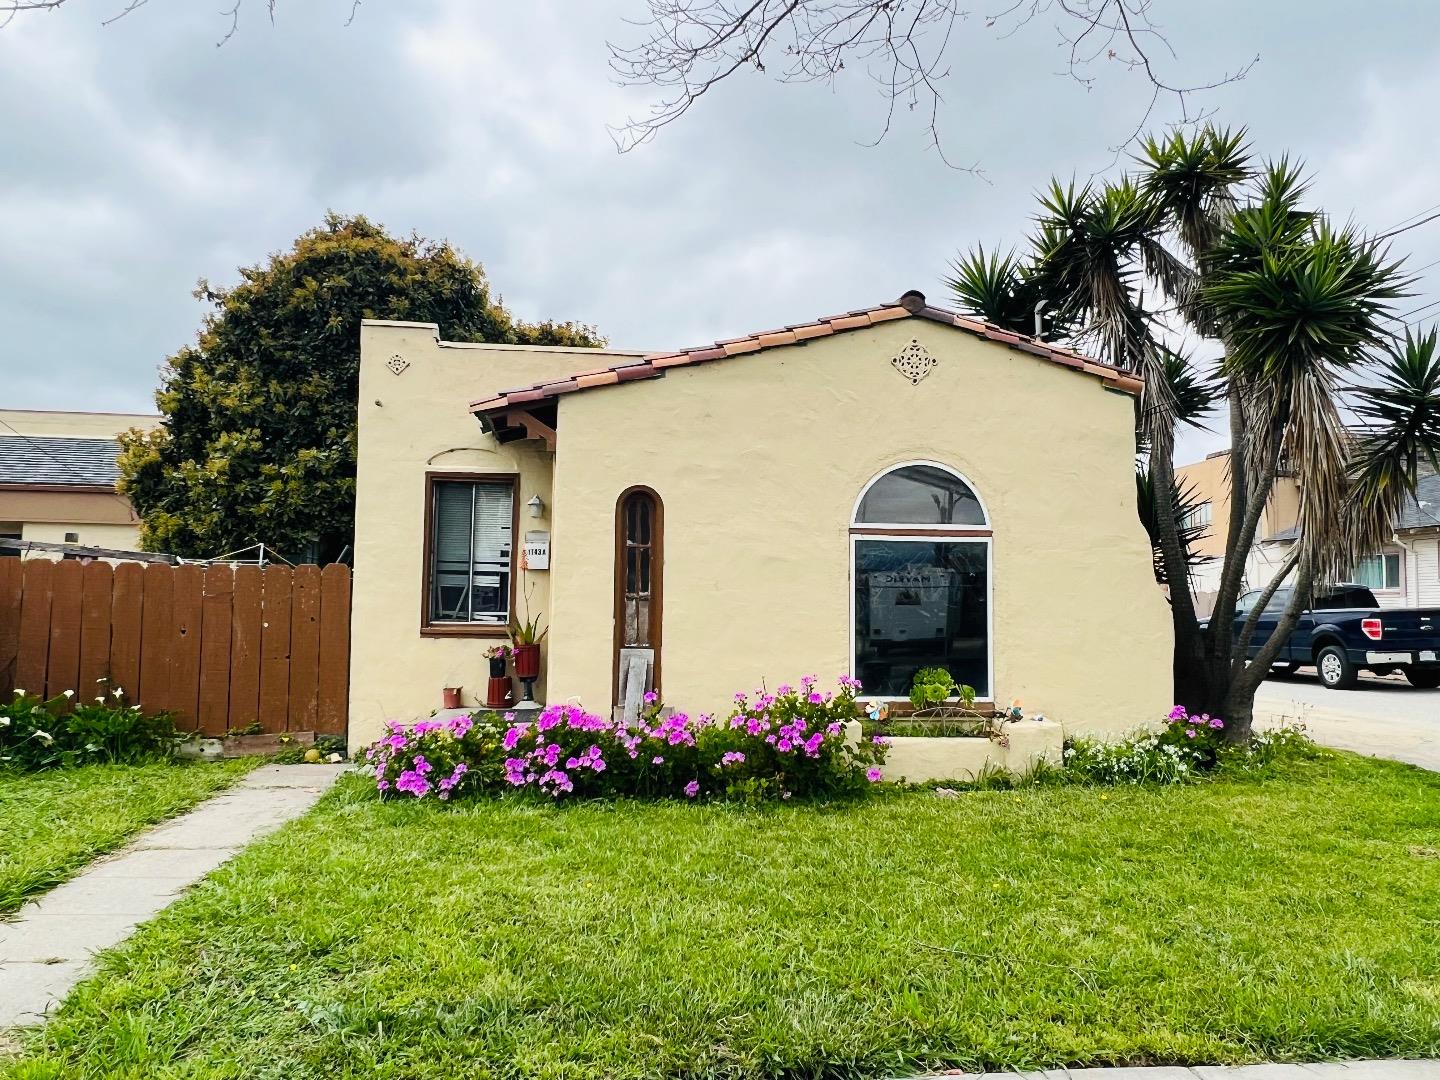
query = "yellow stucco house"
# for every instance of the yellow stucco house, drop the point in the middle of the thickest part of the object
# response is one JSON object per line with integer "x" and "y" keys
{"x": 868, "y": 493}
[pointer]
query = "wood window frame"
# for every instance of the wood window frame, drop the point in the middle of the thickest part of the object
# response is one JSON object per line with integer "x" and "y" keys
{"x": 427, "y": 548}
{"x": 657, "y": 585}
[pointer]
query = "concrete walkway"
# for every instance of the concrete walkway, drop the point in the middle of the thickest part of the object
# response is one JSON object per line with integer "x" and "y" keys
{"x": 45, "y": 947}
{"x": 1342, "y": 1070}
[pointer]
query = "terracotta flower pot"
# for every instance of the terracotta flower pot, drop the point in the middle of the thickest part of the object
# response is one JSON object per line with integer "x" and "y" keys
{"x": 497, "y": 693}
{"x": 450, "y": 696}
{"x": 527, "y": 661}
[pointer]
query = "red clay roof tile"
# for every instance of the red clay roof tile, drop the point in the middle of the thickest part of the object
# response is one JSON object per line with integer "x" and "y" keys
{"x": 911, "y": 304}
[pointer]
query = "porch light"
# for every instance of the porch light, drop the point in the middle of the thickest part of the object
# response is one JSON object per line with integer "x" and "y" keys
{"x": 537, "y": 506}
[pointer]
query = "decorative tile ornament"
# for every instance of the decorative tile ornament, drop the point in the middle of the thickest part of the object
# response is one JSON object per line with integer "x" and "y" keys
{"x": 914, "y": 362}
{"x": 397, "y": 364}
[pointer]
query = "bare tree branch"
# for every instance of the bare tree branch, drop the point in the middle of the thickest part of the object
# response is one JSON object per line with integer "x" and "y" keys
{"x": 694, "y": 45}
{"x": 9, "y": 9}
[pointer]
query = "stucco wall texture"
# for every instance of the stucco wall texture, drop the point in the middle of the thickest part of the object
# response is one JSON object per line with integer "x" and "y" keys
{"x": 759, "y": 460}
{"x": 410, "y": 424}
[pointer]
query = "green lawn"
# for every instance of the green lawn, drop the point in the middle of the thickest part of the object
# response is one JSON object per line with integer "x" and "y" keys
{"x": 1292, "y": 918}
{"x": 52, "y": 823}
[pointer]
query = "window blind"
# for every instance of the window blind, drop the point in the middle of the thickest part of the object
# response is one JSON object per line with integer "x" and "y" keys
{"x": 472, "y": 542}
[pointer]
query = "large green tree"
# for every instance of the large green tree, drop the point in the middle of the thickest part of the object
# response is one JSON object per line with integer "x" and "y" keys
{"x": 257, "y": 441}
{"x": 1205, "y": 239}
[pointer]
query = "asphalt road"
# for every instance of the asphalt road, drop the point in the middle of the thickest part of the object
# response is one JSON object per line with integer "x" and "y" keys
{"x": 1381, "y": 717}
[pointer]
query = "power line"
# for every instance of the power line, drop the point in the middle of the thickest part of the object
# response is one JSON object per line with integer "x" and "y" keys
{"x": 1416, "y": 311}
{"x": 1412, "y": 217}
{"x": 1414, "y": 225}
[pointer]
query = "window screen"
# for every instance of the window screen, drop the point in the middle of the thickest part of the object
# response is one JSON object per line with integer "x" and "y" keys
{"x": 471, "y": 549}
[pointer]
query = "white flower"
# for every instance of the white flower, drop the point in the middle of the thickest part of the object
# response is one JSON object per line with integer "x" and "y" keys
{"x": 19, "y": 692}
{"x": 69, "y": 693}
{"x": 4, "y": 721}
{"x": 119, "y": 692}
{"x": 44, "y": 736}
{"x": 101, "y": 700}
{"x": 134, "y": 708}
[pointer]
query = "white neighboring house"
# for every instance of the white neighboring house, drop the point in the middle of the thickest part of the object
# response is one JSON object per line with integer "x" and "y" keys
{"x": 58, "y": 476}
{"x": 1404, "y": 573}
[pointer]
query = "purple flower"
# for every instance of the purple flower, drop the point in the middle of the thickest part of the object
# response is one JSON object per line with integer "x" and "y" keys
{"x": 1190, "y": 733}
{"x": 1216, "y": 723}
{"x": 692, "y": 789}
{"x": 873, "y": 775}
{"x": 880, "y": 740}
{"x": 657, "y": 760}
{"x": 732, "y": 757}
{"x": 651, "y": 697}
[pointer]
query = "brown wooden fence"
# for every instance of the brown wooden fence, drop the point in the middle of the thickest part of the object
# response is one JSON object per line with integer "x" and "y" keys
{"x": 221, "y": 647}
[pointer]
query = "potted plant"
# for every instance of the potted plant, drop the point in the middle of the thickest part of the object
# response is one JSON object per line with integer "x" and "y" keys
{"x": 497, "y": 693}
{"x": 526, "y": 637}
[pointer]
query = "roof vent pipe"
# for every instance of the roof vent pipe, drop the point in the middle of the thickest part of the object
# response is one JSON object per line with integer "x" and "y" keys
{"x": 1039, "y": 320}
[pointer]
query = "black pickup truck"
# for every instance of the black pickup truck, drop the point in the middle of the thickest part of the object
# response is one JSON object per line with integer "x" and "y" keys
{"x": 1347, "y": 632}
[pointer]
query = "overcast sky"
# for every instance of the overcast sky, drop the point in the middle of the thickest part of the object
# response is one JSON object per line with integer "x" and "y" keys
{"x": 139, "y": 157}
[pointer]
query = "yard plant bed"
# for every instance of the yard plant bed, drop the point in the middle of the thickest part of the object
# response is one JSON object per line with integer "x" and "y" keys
{"x": 52, "y": 823}
{"x": 1290, "y": 917}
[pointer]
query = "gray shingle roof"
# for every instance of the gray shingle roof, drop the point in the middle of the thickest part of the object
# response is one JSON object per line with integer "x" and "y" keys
{"x": 63, "y": 462}
{"x": 1415, "y": 516}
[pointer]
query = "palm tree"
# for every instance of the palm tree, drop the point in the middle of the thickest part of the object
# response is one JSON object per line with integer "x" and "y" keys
{"x": 1203, "y": 240}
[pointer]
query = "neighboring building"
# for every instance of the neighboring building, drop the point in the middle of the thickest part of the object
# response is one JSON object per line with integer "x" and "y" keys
{"x": 58, "y": 476}
{"x": 867, "y": 494}
{"x": 1207, "y": 484}
{"x": 1404, "y": 573}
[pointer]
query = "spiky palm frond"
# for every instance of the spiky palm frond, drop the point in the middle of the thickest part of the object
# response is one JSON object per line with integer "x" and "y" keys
{"x": 1400, "y": 431}
{"x": 1194, "y": 179}
{"x": 1319, "y": 300}
{"x": 1184, "y": 505}
{"x": 1194, "y": 395}
{"x": 996, "y": 288}
{"x": 1087, "y": 255}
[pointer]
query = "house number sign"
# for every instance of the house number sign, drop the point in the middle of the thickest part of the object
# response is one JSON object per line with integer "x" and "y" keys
{"x": 537, "y": 551}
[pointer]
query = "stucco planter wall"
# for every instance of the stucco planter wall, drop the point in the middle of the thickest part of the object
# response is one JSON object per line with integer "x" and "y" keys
{"x": 919, "y": 759}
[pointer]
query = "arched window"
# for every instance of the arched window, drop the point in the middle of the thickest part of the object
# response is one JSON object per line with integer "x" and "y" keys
{"x": 920, "y": 567}
{"x": 639, "y": 592}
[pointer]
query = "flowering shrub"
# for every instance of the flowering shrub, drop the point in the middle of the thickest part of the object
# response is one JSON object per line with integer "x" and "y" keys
{"x": 38, "y": 733}
{"x": 791, "y": 742}
{"x": 774, "y": 745}
{"x": 443, "y": 758}
{"x": 1186, "y": 745}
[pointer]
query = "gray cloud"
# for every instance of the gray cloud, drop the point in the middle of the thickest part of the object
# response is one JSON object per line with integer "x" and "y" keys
{"x": 137, "y": 158}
